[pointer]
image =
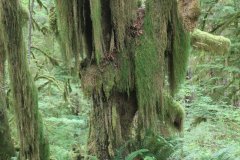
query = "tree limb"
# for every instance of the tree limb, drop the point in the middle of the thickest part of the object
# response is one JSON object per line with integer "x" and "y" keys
{"x": 207, "y": 42}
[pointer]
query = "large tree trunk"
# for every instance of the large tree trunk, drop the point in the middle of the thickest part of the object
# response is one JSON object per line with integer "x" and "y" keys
{"x": 128, "y": 53}
{"x": 33, "y": 145}
{"x": 6, "y": 144}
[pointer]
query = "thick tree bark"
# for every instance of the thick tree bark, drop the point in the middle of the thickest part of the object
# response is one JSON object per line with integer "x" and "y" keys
{"x": 6, "y": 145}
{"x": 33, "y": 145}
{"x": 129, "y": 51}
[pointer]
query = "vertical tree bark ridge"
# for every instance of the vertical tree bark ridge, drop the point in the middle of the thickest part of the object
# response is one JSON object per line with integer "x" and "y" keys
{"x": 6, "y": 145}
{"x": 22, "y": 85}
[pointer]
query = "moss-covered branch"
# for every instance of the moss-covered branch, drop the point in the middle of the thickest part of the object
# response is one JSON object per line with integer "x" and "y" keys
{"x": 207, "y": 42}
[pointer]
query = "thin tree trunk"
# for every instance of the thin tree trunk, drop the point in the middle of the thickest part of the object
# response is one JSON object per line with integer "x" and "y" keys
{"x": 33, "y": 145}
{"x": 30, "y": 8}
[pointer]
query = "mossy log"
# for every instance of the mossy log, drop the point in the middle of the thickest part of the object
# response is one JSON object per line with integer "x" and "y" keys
{"x": 203, "y": 41}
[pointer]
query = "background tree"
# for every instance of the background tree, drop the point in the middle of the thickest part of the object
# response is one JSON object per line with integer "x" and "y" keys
{"x": 33, "y": 144}
{"x": 6, "y": 144}
{"x": 129, "y": 52}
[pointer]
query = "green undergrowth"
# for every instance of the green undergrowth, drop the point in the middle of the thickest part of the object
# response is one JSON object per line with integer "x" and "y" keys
{"x": 66, "y": 120}
{"x": 211, "y": 129}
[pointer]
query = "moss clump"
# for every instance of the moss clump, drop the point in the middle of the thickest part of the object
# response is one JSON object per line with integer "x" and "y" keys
{"x": 204, "y": 41}
{"x": 173, "y": 113}
{"x": 99, "y": 79}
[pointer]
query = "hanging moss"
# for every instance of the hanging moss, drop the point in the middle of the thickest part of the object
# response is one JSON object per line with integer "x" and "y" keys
{"x": 147, "y": 65}
{"x": 123, "y": 11}
{"x": 125, "y": 80}
{"x": 181, "y": 50}
{"x": 69, "y": 31}
{"x": 96, "y": 16}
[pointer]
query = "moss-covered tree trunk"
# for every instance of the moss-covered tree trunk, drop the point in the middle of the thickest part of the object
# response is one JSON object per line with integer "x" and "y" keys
{"x": 6, "y": 144}
{"x": 33, "y": 146}
{"x": 135, "y": 59}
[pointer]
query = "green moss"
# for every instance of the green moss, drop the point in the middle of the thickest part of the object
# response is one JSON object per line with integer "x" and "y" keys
{"x": 173, "y": 113}
{"x": 108, "y": 80}
{"x": 147, "y": 66}
{"x": 65, "y": 25}
{"x": 69, "y": 32}
{"x": 122, "y": 15}
{"x": 99, "y": 79}
{"x": 97, "y": 28}
{"x": 181, "y": 50}
{"x": 22, "y": 84}
{"x": 125, "y": 79}
{"x": 203, "y": 41}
